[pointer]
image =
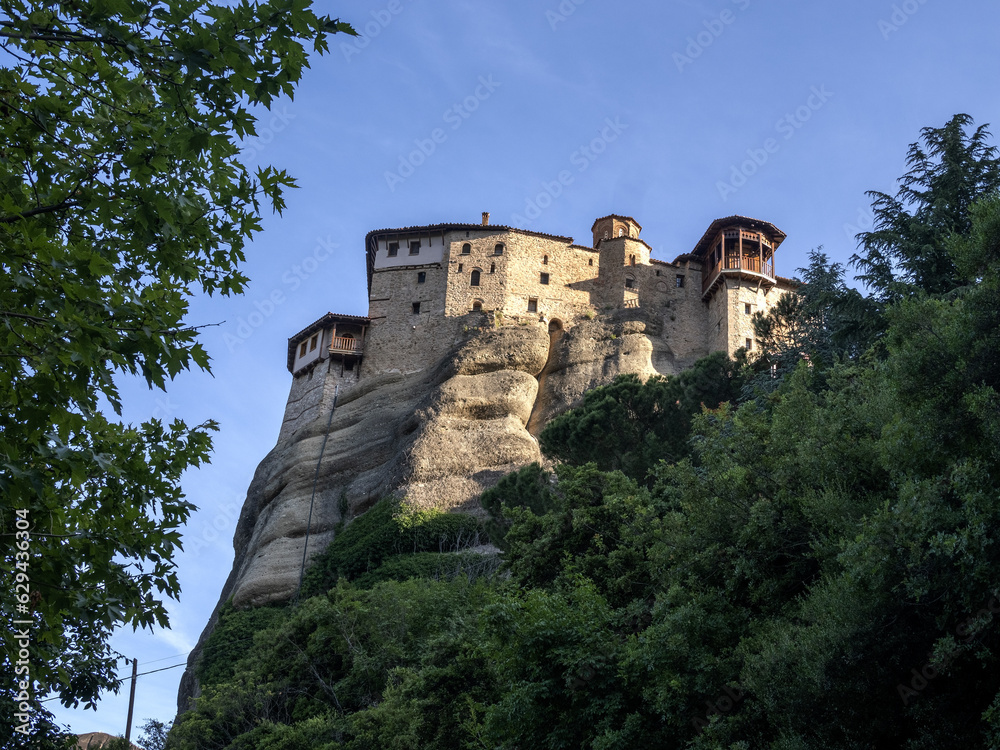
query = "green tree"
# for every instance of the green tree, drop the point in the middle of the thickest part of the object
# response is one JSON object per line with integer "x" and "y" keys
{"x": 906, "y": 251}
{"x": 121, "y": 195}
{"x": 631, "y": 425}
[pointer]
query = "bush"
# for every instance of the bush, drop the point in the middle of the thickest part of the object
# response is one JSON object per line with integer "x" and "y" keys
{"x": 387, "y": 530}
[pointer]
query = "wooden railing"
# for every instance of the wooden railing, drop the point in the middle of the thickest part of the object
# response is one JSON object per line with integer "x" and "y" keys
{"x": 345, "y": 345}
{"x": 733, "y": 262}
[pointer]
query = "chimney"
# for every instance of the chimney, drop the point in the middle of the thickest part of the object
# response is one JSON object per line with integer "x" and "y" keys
{"x": 486, "y": 218}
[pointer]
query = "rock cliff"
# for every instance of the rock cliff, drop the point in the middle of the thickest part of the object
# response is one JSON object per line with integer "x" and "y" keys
{"x": 437, "y": 437}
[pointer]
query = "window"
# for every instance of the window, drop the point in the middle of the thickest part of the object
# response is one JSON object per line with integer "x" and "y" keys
{"x": 746, "y": 308}
{"x": 416, "y": 308}
{"x": 749, "y": 345}
{"x": 498, "y": 249}
{"x": 680, "y": 281}
{"x": 657, "y": 273}
{"x": 474, "y": 280}
{"x": 493, "y": 267}
{"x": 421, "y": 277}
{"x": 629, "y": 282}
{"x": 477, "y": 306}
{"x": 393, "y": 249}
{"x": 545, "y": 260}
{"x": 312, "y": 341}
{"x": 415, "y": 247}
{"x": 544, "y": 279}
{"x": 605, "y": 234}
{"x": 302, "y": 349}
{"x": 631, "y": 260}
{"x": 466, "y": 248}
{"x": 621, "y": 231}
{"x": 590, "y": 262}
{"x": 460, "y": 268}
{"x": 532, "y": 305}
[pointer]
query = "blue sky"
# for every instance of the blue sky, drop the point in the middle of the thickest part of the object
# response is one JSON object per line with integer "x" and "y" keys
{"x": 548, "y": 115}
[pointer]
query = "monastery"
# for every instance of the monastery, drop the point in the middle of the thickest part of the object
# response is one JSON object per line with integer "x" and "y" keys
{"x": 427, "y": 282}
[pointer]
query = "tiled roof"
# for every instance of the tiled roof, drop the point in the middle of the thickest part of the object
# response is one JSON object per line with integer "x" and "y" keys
{"x": 701, "y": 248}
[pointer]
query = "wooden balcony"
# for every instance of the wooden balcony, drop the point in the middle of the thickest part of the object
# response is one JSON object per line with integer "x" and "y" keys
{"x": 346, "y": 345}
{"x": 741, "y": 253}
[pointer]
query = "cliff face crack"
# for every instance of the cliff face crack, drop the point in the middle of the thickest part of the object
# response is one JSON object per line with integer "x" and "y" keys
{"x": 535, "y": 424}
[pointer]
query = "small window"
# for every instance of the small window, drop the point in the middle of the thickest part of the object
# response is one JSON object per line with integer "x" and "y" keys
{"x": 466, "y": 248}
{"x": 498, "y": 249}
{"x": 746, "y": 308}
{"x": 631, "y": 260}
{"x": 302, "y": 349}
{"x": 544, "y": 279}
{"x": 657, "y": 273}
{"x": 477, "y": 306}
{"x": 680, "y": 281}
{"x": 421, "y": 277}
{"x": 749, "y": 345}
{"x": 532, "y": 305}
{"x": 474, "y": 278}
{"x": 312, "y": 342}
{"x": 493, "y": 267}
{"x": 416, "y": 308}
{"x": 393, "y": 249}
{"x": 460, "y": 268}
{"x": 545, "y": 260}
{"x": 590, "y": 262}
{"x": 415, "y": 247}
{"x": 629, "y": 282}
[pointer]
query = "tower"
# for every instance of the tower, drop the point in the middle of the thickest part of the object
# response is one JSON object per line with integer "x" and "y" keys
{"x": 737, "y": 272}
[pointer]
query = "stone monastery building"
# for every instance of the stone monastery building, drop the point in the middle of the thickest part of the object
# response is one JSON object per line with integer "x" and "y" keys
{"x": 427, "y": 285}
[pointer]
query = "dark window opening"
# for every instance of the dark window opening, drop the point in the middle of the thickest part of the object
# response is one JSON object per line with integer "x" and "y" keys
{"x": 415, "y": 248}
{"x": 746, "y": 308}
{"x": 474, "y": 280}
{"x": 460, "y": 268}
{"x": 393, "y": 249}
{"x": 302, "y": 349}
{"x": 477, "y": 306}
{"x": 421, "y": 277}
{"x": 657, "y": 273}
{"x": 498, "y": 249}
{"x": 680, "y": 281}
{"x": 312, "y": 342}
{"x": 544, "y": 279}
{"x": 629, "y": 282}
{"x": 493, "y": 267}
{"x": 749, "y": 345}
{"x": 466, "y": 248}
{"x": 545, "y": 260}
{"x": 591, "y": 262}
{"x": 416, "y": 308}
{"x": 532, "y": 305}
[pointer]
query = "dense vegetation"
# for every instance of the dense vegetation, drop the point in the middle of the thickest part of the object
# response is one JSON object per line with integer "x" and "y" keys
{"x": 813, "y": 565}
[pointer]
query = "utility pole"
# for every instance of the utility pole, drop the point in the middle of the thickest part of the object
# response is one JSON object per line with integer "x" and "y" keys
{"x": 131, "y": 701}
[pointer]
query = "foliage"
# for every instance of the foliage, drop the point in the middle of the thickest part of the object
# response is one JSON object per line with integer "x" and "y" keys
{"x": 232, "y": 635}
{"x": 906, "y": 250}
{"x": 154, "y": 734}
{"x": 823, "y": 322}
{"x": 121, "y": 196}
{"x": 630, "y": 426}
{"x": 529, "y": 487}
{"x": 385, "y": 530}
{"x": 350, "y": 667}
